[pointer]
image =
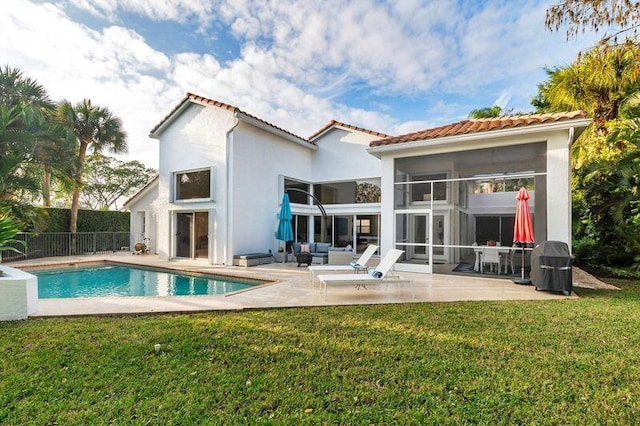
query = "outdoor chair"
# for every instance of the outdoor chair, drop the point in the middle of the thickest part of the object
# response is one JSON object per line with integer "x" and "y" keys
{"x": 379, "y": 275}
{"x": 508, "y": 260}
{"x": 491, "y": 256}
{"x": 359, "y": 265}
{"x": 478, "y": 252}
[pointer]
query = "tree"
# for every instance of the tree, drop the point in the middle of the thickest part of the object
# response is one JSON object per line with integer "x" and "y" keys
{"x": 598, "y": 82}
{"x": 108, "y": 180}
{"x": 605, "y": 83}
{"x": 16, "y": 146}
{"x": 487, "y": 112}
{"x": 49, "y": 149}
{"x": 581, "y": 15}
{"x": 96, "y": 128}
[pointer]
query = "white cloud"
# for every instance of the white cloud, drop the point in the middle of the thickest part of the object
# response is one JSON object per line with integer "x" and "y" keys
{"x": 158, "y": 10}
{"x": 296, "y": 59}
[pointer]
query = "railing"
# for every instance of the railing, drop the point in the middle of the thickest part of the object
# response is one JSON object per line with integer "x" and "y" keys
{"x": 49, "y": 244}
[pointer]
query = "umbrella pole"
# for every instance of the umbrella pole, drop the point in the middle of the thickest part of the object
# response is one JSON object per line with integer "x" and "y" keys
{"x": 522, "y": 280}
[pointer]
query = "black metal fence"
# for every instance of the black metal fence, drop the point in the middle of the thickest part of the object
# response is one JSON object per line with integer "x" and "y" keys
{"x": 49, "y": 244}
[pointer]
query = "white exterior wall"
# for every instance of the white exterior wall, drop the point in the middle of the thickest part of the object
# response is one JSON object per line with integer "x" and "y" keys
{"x": 387, "y": 220}
{"x": 18, "y": 294}
{"x": 259, "y": 159}
{"x": 342, "y": 155}
{"x": 559, "y": 188}
{"x": 144, "y": 205}
{"x": 196, "y": 139}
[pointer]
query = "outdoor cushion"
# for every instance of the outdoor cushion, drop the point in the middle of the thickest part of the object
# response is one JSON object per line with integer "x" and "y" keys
{"x": 322, "y": 247}
{"x": 252, "y": 256}
{"x": 297, "y": 248}
{"x": 305, "y": 248}
{"x": 337, "y": 249}
{"x": 376, "y": 274}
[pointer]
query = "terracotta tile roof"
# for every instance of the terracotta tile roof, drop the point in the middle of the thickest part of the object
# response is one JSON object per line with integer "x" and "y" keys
{"x": 190, "y": 97}
{"x": 481, "y": 125}
{"x": 333, "y": 123}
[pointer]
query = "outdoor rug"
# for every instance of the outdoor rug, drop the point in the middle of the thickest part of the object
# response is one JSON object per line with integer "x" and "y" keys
{"x": 464, "y": 267}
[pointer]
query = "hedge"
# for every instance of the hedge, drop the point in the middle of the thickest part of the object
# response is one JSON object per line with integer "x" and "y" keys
{"x": 57, "y": 220}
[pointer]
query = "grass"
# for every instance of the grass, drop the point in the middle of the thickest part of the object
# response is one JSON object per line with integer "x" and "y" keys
{"x": 552, "y": 362}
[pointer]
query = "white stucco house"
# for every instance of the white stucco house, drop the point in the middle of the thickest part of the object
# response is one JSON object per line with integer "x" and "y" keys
{"x": 223, "y": 172}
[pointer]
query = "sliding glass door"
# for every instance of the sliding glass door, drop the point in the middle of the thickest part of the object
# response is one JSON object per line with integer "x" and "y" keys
{"x": 192, "y": 235}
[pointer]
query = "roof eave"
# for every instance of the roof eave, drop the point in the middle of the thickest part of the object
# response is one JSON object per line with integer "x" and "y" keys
{"x": 501, "y": 133}
{"x": 186, "y": 102}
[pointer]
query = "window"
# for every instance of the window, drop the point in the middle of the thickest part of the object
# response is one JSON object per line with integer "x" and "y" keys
{"x": 363, "y": 226}
{"x": 193, "y": 185}
{"x": 291, "y": 186}
{"x": 367, "y": 231}
{"x": 352, "y": 192}
{"x": 422, "y": 191}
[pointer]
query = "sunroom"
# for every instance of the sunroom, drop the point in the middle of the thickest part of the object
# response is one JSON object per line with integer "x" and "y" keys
{"x": 449, "y": 192}
{"x": 447, "y": 204}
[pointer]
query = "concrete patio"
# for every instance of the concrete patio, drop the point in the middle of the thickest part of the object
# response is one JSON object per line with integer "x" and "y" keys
{"x": 290, "y": 287}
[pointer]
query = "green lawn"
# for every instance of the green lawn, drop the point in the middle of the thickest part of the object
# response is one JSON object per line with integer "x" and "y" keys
{"x": 554, "y": 362}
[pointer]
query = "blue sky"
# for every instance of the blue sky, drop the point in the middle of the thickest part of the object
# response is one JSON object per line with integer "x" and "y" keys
{"x": 393, "y": 67}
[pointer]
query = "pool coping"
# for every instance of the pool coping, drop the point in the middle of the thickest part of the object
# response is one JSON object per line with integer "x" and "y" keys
{"x": 286, "y": 287}
{"x": 106, "y": 262}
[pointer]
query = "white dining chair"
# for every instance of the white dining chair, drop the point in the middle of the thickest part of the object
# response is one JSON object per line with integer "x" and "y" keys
{"x": 490, "y": 255}
{"x": 478, "y": 251}
{"x": 508, "y": 259}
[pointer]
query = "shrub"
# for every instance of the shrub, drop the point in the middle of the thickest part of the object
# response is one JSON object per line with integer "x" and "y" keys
{"x": 57, "y": 220}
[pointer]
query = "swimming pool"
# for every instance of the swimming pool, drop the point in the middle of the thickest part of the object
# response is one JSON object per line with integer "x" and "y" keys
{"x": 113, "y": 280}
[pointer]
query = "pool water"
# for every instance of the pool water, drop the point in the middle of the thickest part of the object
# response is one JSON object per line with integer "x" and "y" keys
{"x": 124, "y": 281}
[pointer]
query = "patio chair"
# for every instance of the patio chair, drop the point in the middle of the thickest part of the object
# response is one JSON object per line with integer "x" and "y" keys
{"x": 490, "y": 255}
{"x": 377, "y": 276}
{"x": 478, "y": 252}
{"x": 359, "y": 265}
{"x": 508, "y": 259}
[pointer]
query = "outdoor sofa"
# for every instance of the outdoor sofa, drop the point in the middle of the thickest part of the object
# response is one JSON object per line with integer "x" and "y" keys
{"x": 320, "y": 253}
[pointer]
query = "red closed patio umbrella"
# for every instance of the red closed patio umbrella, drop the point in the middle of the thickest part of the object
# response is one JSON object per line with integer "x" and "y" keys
{"x": 523, "y": 227}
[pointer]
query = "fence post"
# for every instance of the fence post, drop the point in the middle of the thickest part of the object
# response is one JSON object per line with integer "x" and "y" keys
{"x": 94, "y": 243}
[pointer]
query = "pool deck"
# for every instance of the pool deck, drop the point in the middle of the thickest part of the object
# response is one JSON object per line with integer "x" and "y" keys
{"x": 291, "y": 287}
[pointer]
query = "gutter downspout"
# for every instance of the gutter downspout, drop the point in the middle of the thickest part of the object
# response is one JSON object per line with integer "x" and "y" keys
{"x": 571, "y": 136}
{"x": 229, "y": 195}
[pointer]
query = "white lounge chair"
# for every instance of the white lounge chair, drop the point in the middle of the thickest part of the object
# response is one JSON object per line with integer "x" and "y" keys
{"x": 381, "y": 274}
{"x": 356, "y": 266}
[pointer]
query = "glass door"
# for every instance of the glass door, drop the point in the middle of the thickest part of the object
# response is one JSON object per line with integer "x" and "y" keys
{"x": 183, "y": 234}
{"x": 413, "y": 233}
{"x": 420, "y": 235}
{"x": 192, "y": 235}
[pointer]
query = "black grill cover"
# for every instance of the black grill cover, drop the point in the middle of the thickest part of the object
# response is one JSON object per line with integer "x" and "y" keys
{"x": 551, "y": 267}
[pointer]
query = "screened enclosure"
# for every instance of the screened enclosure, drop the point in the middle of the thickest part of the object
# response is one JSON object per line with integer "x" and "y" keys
{"x": 445, "y": 205}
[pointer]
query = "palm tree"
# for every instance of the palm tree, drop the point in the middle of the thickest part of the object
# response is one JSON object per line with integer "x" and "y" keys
{"x": 50, "y": 146}
{"x": 94, "y": 127}
{"x": 598, "y": 82}
{"x": 16, "y": 88}
{"x": 605, "y": 83}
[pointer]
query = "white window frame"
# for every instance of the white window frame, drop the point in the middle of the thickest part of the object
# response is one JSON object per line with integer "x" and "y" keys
{"x": 174, "y": 185}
